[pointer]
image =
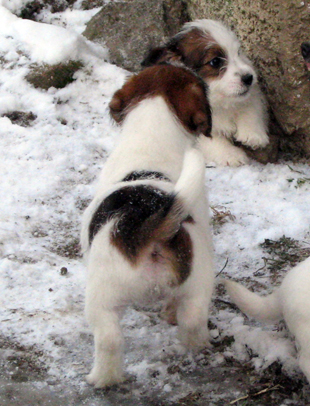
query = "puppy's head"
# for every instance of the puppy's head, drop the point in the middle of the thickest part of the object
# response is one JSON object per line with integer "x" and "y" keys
{"x": 305, "y": 51}
{"x": 213, "y": 51}
{"x": 184, "y": 92}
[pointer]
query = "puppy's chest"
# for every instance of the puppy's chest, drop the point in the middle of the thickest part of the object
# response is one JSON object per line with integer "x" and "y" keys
{"x": 223, "y": 122}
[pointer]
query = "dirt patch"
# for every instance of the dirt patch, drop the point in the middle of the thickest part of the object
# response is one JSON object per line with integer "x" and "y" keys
{"x": 283, "y": 254}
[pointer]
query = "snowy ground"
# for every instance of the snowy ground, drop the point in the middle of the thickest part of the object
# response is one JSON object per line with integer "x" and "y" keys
{"x": 48, "y": 169}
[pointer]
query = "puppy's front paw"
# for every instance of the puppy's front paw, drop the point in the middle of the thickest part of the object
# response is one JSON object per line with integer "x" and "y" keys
{"x": 237, "y": 158}
{"x": 220, "y": 151}
{"x": 196, "y": 338}
{"x": 253, "y": 139}
{"x": 101, "y": 378}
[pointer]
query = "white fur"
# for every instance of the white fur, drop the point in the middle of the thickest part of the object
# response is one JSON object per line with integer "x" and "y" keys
{"x": 291, "y": 302}
{"x": 235, "y": 114}
{"x": 147, "y": 144}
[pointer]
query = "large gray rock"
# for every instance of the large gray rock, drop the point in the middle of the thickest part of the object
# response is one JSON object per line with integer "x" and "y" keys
{"x": 129, "y": 29}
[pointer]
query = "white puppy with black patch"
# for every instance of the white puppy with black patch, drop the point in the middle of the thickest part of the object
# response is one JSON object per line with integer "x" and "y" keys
{"x": 238, "y": 106}
{"x": 147, "y": 230}
{"x": 291, "y": 302}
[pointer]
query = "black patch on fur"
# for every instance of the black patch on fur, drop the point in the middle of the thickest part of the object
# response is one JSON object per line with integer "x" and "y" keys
{"x": 132, "y": 206}
{"x": 141, "y": 175}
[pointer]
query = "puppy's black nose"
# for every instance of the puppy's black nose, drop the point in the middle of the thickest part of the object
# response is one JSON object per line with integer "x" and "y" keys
{"x": 305, "y": 49}
{"x": 247, "y": 79}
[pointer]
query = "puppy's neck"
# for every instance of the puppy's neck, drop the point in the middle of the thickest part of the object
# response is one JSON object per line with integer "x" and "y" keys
{"x": 152, "y": 123}
{"x": 152, "y": 140}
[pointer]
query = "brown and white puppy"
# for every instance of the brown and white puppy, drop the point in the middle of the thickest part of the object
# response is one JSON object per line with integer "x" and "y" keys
{"x": 238, "y": 106}
{"x": 305, "y": 51}
{"x": 147, "y": 230}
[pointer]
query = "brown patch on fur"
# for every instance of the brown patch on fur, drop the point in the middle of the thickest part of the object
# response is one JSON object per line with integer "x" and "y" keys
{"x": 184, "y": 92}
{"x": 169, "y": 312}
{"x": 181, "y": 254}
{"x": 196, "y": 49}
{"x": 176, "y": 252}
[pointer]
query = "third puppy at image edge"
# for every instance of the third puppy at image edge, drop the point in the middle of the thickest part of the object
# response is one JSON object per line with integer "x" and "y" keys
{"x": 146, "y": 234}
{"x": 290, "y": 301}
{"x": 238, "y": 106}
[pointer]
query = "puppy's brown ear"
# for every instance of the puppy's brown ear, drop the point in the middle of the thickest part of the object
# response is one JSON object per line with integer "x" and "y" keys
{"x": 203, "y": 122}
{"x": 167, "y": 53}
{"x": 200, "y": 108}
{"x": 116, "y": 106}
{"x": 154, "y": 56}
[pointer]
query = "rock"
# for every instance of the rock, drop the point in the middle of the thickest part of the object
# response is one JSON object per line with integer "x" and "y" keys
{"x": 130, "y": 29}
{"x": 33, "y": 8}
{"x": 22, "y": 118}
{"x": 90, "y": 4}
{"x": 58, "y": 76}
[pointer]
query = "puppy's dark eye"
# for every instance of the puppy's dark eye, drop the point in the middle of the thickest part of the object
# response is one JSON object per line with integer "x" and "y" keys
{"x": 216, "y": 62}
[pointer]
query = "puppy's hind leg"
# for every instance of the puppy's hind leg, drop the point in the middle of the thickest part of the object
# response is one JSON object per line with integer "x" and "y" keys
{"x": 103, "y": 314}
{"x": 302, "y": 335}
{"x": 195, "y": 296}
{"x": 108, "y": 366}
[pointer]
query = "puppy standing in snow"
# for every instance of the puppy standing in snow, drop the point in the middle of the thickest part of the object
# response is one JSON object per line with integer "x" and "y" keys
{"x": 291, "y": 302}
{"x": 238, "y": 106}
{"x": 147, "y": 229}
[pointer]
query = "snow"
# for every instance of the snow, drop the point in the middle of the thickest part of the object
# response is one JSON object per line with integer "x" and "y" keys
{"x": 48, "y": 171}
{"x": 45, "y": 42}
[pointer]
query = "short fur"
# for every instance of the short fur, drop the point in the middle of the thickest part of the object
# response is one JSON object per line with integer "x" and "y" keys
{"x": 291, "y": 302}
{"x": 147, "y": 229}
{"x": 238, "y": 106}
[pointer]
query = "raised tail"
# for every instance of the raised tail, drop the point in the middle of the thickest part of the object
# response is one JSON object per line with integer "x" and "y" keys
{"x": 186, "y": 192}
{"x": 262, "y": 308}
{"x": 191, "y": 181}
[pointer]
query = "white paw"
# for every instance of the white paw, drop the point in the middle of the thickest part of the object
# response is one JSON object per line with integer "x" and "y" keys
{"x": 233, "y": 157}
{"x": 236, "y": 158}
{"x": 220, "y": 151}
{"x": 101, "y": 378}
{"x": 195, "y": 338}
{"x": 253, "y": 139}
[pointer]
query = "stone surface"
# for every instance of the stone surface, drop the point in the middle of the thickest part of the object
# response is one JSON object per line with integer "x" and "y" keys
{"x": 130, "y": 29}
{"x": 31, "y": 9}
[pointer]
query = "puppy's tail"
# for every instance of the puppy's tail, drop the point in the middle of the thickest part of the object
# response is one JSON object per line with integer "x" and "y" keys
{"x": 262, "y": 308}
{"x": 186, "y": 191}
{"x": 191, "y": 181}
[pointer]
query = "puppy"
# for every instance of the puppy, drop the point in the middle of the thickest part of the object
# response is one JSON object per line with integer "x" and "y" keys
{"x": 238, "y": 106}
{"x": 146, "y": 233}
{"x": 305, "y": 51}
{"x": 291, "y": 302}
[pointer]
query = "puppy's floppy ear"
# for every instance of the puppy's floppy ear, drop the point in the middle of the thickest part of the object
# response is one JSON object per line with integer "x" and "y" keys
{"x": 203, "y": 122}
{"x": 154, "y": 56}
{"x": 117, "y": 106}
{"x": 200, "y": 110}
{"x": 167, "y": 53}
